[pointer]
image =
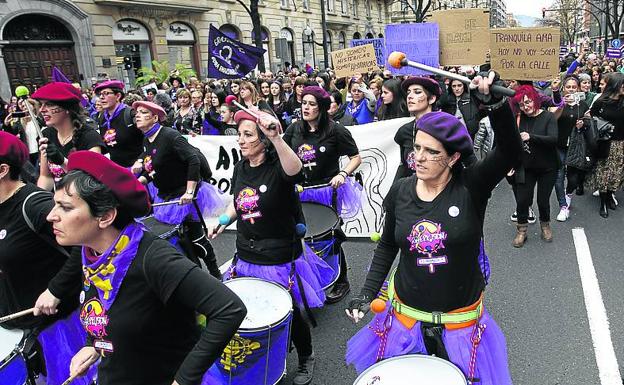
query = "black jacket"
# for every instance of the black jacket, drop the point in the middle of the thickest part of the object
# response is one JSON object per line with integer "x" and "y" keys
{"x": 468, "y": 107}
{"x": 343, "y": 117}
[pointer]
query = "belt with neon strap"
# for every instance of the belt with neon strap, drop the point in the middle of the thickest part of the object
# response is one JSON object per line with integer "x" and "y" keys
{"x": 433, "y": 317}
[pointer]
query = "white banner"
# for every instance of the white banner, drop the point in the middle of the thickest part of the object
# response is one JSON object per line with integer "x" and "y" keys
{"x": 380, "y": 159}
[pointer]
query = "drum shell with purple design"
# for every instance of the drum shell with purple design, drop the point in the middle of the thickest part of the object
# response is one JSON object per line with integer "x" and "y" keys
{"x": 322, "y": 223}
{"x": 257, "y": 353}
{"x": 412, "y": 369}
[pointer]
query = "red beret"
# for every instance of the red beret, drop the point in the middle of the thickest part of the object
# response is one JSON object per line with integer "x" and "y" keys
{"x": 244, "y": 115}
{"x": 153, "y": 107}
{"x": 13, "y": 148}
{"x": 58, "y": 92}
{"x": 129, "y": 191}
{"x": 112, "y": 84}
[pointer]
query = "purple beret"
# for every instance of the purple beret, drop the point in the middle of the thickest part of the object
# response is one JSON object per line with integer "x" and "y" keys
{"x": 58, "y": 92}
{"x": 449, "y": 130}
{"x": 127, "y": 189}
{"x": 427, "y": 83}
{"x": 12, "y": 148}
{"x": 321, "y": 96}
{"x": 153, "y": 107}
{"x": 112, "y": 84}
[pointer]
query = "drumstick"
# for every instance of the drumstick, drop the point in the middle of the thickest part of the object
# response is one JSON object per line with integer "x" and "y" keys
{"x": 398, "y": 59}
{"x": 17, "y": 315}
{"x": 177, "y": 202}
{"x": 231, "y": 99}
{"x": 301, "y": 188}
{"x": 74, "y": 376}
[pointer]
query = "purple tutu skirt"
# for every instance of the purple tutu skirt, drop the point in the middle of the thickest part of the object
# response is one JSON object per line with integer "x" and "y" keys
{"x": 348, "y": 200}
{"x": 211, "y": 202}
{"x": 491, "y": 358}
{"x": 314, "y": 273}
{"x": 59, "y": 343}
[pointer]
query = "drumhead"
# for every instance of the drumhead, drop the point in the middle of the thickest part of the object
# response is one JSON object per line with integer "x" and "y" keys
{"x": 412, "y": 369}
{"x": 267, "y": 303}
{"x": 9, "y": 339}
{"x": 320, "y": 219}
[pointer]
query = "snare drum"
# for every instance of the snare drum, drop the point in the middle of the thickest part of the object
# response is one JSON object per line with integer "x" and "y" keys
{"x": 13, "y": 368}
{"x": 321, "y": 224}
{"x": 412, "y": 369}
{"x": 257, "y": 353}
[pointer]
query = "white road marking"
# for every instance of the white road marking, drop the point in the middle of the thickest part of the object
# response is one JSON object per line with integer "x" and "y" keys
{"x": 608, "y": 368}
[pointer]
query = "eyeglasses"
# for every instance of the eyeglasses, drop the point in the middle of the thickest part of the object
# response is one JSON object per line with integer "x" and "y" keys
{"x": 105, "y": 93}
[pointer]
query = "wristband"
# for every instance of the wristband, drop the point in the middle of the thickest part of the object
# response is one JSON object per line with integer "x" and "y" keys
{"x": 344, "y": 173}
{"x": 190, "y": 191}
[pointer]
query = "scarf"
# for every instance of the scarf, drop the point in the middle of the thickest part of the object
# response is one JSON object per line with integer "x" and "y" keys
{"x": 152, "y": 130}
{"x": 109, "y": 117}
{"x": 108, "y": 271}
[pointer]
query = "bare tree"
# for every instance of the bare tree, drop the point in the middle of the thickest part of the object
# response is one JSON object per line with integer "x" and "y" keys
{"x": 256, "y": 35}
{"x": 568, "y": 13}
{"x": 418, "y": 8}
{"x": 614, "y": 14}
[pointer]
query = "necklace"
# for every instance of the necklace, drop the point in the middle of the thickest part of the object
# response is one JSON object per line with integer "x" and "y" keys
{"x": 65, "y": 140}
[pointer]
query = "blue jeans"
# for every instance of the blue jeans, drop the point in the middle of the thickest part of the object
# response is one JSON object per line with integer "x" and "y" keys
{"x": 560, "y": 181}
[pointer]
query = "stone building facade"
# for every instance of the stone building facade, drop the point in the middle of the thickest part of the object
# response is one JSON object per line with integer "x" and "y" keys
{"x": 89, "y": 39}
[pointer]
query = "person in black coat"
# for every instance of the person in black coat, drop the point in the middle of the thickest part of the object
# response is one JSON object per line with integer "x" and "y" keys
{"x": 458, "y": 101}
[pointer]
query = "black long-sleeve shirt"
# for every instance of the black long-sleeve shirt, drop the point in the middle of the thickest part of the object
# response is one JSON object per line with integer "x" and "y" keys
{"x": 123, "y": 138}
{"x": 543, "y": 141}
{"x": 151, "y": 325}
{"x": 567, "y": 122}
{"x": 439, "y": 241}
{"x": 610, "y": 110}
{"x": 170, "y": 160}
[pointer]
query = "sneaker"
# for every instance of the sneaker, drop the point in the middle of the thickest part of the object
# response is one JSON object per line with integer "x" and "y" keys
{"x": 596, "y": 193}
{"x": 514, "y": 217}
{"x": 305, "y": 371}
{"x": 531, "y": 218}
{"x": 564, "y": 214}
{"x": 614, "y": 200}
{"x": 568, "y": 199}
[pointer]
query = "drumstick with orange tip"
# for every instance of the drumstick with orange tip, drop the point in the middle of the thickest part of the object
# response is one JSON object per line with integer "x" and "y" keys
{"x": 17, "y": 315}
{"x": 231, "y": 99}
{"x": 378, "y": 305}
{"x": 398, "y": 59}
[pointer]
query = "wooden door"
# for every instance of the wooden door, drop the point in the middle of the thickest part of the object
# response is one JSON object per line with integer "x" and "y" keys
{"x": 31, "y": 65}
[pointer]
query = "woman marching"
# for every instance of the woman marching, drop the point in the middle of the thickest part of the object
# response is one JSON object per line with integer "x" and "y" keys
{"x": 319, "y": 143}
{"x": 435, "y": 219}
{"x": 393, "y": 101}
{"x": 422, "y": 94}
{"x": 608, "y": 176}
{"x": 179, "y": 173}
{"x": 68, "y": 129}
{"x": 139, "y": 294}
{"x": 364, "y": 104}
{"x": 184, "y": 120}
{"x": 267, "y": 210}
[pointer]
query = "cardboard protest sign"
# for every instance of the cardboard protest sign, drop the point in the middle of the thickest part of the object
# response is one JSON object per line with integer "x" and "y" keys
{"x": 464, "y": 35}
{"x": 419, "y": 41}
{"x": 352, "y": 61}
{"x": 525, "y": 53}
{"x": 379, "y": 45}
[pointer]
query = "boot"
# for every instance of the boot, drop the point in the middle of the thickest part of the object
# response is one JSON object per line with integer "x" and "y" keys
{"x": 604, "y": 209}
{"x": 547, "y": 234}
{"x": 305, "y": 371}
{"x": 521, "y": 236}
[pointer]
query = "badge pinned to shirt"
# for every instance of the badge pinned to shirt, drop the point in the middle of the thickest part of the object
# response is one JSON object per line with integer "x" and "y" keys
{"x": 263, "y": 188}
{"x": 322, "y": 149}
{"x": 103, "y": 345}
{"x": 453, "y": 211}
{"x": 3, "y": 233}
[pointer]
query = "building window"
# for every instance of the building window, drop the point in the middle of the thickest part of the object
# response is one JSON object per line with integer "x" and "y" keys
{"x": 342, "y": 41}
{"x": 368, "y": 8}
{"x": 132, "y": 40}
{"x": 306, "y": 4}
{"x": 285, "y": 3}
{"x": 265, "y": 44}
{"x": 330, "y": 45}
{"x": 308, "y": 49}
{"x": 379, "y": 17}
{"x": 230, "y": 31}
{"x": 355, "y": 7}
{"x": 344, "y": 6}
{"x": 181, "y": 45}
{"x": 287, "y": 34}
{"x": 357, "y": 36}
{"x": 330, "y": 6}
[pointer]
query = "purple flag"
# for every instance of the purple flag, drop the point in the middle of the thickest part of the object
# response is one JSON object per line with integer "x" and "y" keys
{"x": 59, "y": 76}
{"x": 229, "y": 58}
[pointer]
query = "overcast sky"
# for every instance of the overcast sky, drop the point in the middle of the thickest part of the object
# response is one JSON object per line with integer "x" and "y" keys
{"x": 527, "y": 7}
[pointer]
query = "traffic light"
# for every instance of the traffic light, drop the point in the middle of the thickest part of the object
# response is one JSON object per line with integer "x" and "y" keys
{"x": 127, "y": 62}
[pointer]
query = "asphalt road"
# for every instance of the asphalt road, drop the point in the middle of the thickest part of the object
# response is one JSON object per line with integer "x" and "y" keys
{"x": 535, "y": 294}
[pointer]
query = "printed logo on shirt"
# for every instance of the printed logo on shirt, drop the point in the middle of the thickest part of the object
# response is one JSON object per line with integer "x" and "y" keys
{"x": 110, "y": 137}
{"x": 307, "y": 154}
{"x": 149, "y": 166}
{"x": 94, "y": 319}
{"x": 57, "y": 171}
{"x": 428, "y": 238}
{"x": 247, "y": 202}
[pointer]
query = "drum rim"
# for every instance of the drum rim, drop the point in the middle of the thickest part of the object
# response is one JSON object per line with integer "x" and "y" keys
{"x": 322, "y": 235}
{"x": 274, "y": 324}
{"x": 405, "y": 356}
{"x": 8, "y": 359}
{"x": 175, "y": 229}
